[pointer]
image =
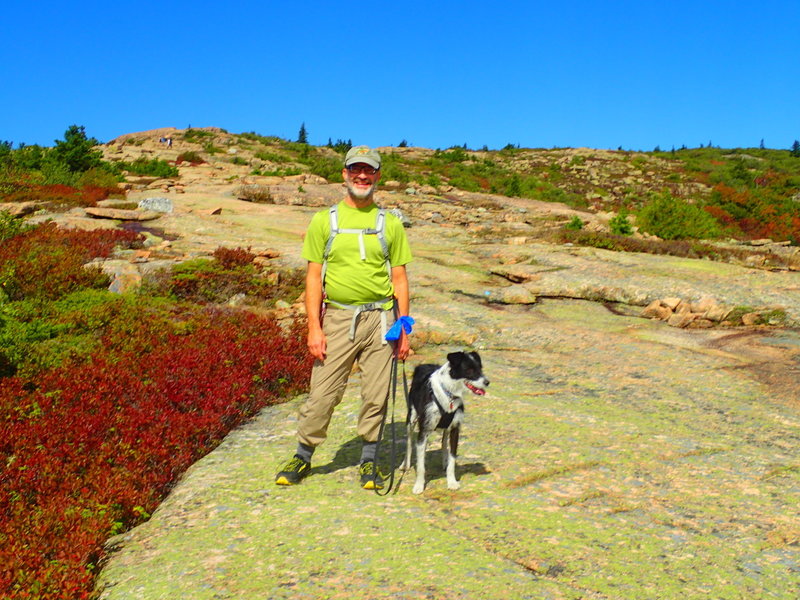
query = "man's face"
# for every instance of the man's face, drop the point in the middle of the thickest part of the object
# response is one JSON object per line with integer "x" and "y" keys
{"x": 361, "y": 180}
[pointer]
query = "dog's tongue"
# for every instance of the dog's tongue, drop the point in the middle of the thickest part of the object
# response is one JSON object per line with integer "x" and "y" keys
{"x": 477, "y": 391}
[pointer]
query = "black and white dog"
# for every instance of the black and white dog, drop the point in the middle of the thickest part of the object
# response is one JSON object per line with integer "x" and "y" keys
{"x": 436, "y": 401}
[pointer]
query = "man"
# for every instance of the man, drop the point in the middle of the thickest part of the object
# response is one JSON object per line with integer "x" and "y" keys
{"x": 352, "y": 293}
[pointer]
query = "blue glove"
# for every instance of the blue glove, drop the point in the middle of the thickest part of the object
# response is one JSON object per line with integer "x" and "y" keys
{"x": 394, "y": 332}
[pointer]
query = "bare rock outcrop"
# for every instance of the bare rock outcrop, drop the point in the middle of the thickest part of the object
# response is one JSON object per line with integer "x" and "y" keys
{"x": 707, "y": 313}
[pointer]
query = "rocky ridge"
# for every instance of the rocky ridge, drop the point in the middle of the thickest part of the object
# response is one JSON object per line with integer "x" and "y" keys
{"x": 623, "y": 440}
{"x": 209, "y": 204}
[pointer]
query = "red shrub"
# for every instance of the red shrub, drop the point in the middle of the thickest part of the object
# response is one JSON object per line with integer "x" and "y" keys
{"x": 92, "y": 194}
{"x": 56, "y": 193}
{"x": 236, "y": 257}
{"x": 48, "y": 262}
{"x": 94, "y": 447}
{"x": 23, "y": 190}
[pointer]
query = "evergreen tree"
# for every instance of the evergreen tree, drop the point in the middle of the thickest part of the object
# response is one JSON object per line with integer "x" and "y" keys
{"x": 5, "y": 152}
{"x": 75, "y": 150}
{"x": 796, "y": 149}
{"x": 302, "y": 135}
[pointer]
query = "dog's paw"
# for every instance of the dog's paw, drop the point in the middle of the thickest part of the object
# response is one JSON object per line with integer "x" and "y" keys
{"x": 453, "y": 485}
{"x": 418, "y": 488}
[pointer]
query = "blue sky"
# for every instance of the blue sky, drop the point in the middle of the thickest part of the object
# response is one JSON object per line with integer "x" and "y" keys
{"x": 599, "y": 74}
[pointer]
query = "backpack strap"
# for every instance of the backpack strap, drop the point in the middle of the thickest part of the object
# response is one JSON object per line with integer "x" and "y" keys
{"x": 334, "y": 223}
{"x": 379, "y": 230}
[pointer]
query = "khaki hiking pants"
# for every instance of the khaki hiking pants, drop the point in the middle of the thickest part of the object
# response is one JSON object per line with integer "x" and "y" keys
{"x": 329, "y": 377}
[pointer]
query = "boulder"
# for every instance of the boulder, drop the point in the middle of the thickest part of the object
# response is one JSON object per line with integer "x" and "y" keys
{"x": 703, "y": 305}
{"x": 268, "y": 253}
{"x": 125, "y": 276}
{"x": 517, "y": 294}
{"x": 700, "y": 324}
{"x": 717, "y": 313}
{"x": 750, "y": 319}
{"x": 681, "y": 319}
{"x": 121, "y": 214}
{"x": 161, "y": 183}
{"x": 392, "y": 186}
{"x": 19, "y": 209}
{"x": 157, "y": 204}
{"x": 117, "y": 203}
{"x": 656, "y": 310}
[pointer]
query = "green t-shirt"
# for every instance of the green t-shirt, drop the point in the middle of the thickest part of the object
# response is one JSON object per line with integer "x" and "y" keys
{"x": 348, "y": 279}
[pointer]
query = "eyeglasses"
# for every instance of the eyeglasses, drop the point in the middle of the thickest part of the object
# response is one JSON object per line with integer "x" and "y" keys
{"x": 361, "y": 168}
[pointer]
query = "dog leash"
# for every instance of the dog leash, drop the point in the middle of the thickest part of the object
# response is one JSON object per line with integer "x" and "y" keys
{"x": 393, "y": 451}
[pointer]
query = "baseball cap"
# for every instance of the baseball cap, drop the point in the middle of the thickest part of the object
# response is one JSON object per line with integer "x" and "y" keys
{"x": 363, "y": 154}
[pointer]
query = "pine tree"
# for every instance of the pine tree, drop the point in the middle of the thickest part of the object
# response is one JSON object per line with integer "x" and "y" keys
{"x": 76, "y": 150}
{"x": 302, "y": 135}
{"x": 796, "y": 149}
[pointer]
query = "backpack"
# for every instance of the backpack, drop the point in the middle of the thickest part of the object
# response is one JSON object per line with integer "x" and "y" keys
{"x": 380, "y": 231}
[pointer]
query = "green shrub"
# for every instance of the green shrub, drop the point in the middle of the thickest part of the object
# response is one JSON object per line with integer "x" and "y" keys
{"x": 327, "y": 167}
{"x": 203, "y": 281}
{"x": 272, "y": 157}
{"x": 575, "y": 224}
{"x": 432, "y": 180}
{"x": 456, "y": 154}
{"x": 393, "y": 170}
{"x": 142, "y": 166}
{"x": 191, "y": 157}
{"x": 671, "y": 218}
{"x": 620, "y": 225}
{"x": 513, "y": 187}
{"x": 197, "y": 136}
{"x": 11, "y": 226}
{"x": 104, "y": 177}
{"x": 285, "y": 172}
{"x": 210, "y": 148}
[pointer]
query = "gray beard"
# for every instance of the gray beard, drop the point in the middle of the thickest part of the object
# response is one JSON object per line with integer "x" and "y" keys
{"x": 360, "y": 194}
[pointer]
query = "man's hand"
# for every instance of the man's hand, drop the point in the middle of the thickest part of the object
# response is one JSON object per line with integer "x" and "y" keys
{"x": 402, "y": 347}
{"x": 317, "y": 343}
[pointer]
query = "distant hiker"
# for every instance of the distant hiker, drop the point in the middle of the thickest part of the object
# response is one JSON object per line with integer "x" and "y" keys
{"x": 169, "y": 142}
{"x": 356, "y": 286}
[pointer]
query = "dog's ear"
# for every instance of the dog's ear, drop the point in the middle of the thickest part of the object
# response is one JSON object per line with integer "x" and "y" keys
{"x": 455, "y": 358}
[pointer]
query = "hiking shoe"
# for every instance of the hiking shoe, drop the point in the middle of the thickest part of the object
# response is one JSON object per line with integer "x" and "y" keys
{"x": 294, "y": 471}
{"x": 371, "y": 478}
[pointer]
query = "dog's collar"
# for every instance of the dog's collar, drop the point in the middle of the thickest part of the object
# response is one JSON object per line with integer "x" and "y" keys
{"x": 442, "y": 395}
